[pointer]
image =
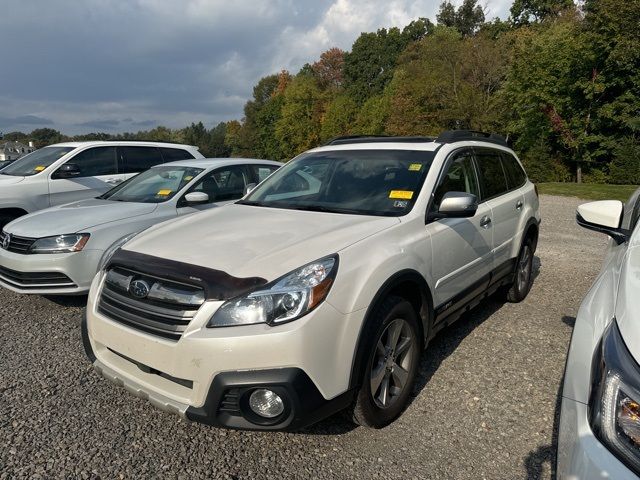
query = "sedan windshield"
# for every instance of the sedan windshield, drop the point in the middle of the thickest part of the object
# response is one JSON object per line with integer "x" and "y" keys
{"x": 35, "y": 162}
{"x": 364, "y": 182}
{"x": 156, "y": 185}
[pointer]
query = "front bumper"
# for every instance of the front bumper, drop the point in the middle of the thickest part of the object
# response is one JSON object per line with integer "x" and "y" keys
{"x": 207, "y": 375}
{"x": 581, "y": 456}
{"x": 50, "y": 274}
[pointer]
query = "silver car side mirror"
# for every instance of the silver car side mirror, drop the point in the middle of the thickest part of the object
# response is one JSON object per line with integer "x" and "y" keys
{"x": 457, "y": 205}
{"x": 196, "y": 198}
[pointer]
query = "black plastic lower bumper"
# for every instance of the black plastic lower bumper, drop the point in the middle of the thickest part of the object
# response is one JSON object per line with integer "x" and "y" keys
{"x": 227, "y": 401}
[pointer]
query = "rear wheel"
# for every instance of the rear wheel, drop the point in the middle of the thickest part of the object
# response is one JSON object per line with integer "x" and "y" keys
{"x": 393, "y": 353}
{"x": 524, "y": 273}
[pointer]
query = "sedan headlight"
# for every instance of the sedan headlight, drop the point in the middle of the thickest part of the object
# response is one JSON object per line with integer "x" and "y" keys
{"x": 74, "y": 242}
{"x": 284, "y": 300}
{"x": 614, "y": 403}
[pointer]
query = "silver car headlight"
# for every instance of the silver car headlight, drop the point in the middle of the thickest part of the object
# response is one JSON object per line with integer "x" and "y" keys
{"x": 614, "y": 403}
{"x": 73, "y": 242}
{"x": 283, "y": 300}
{"x": 108, "y": 253}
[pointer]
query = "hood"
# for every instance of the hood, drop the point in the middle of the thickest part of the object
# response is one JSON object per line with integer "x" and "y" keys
{"x": 628, "y": 302}
{"x": 76, "y": 217}
{"x": 248, "y": 241}
{"x": 6, "y": 180}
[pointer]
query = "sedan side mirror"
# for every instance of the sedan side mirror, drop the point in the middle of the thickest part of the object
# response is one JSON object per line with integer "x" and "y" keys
{"x": 604, "y": 216}
{"x": 250, "y": 188}
{"x": 196, "y": 198}
{"x": 457, "y": 205}
{"x": 68, "y": 170}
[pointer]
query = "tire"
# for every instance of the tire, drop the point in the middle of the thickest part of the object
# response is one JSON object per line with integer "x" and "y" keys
{"x": 392, "y": 365}
{"x": 523, "y": 274}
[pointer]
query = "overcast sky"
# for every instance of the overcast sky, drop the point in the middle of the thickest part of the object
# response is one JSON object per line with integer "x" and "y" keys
{"x": 129, "y": 65}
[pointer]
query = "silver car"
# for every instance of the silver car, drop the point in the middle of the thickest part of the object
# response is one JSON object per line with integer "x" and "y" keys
{"x": 58, "y": 250}
{"x": 599, "y": 434}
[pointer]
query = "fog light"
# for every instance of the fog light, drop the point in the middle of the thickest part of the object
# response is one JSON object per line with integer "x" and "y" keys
{"x": 266, "y": 403}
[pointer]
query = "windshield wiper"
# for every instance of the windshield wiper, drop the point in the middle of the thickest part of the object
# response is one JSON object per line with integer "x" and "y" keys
{"x": 252, "y": 203}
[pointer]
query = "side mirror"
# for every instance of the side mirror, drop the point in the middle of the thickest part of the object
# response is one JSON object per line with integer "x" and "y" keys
{"x": 457, "y": 205}
{"x": 604, "y": 216}
{"x": 250, "y": 188}
{"x": 68, "y": 170}
{"x": 196, "y": 198}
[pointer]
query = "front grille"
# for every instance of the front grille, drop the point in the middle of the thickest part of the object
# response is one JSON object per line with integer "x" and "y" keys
{"x": 18, "y": 244}
{"x": 230, "y": 402}
{"x": 166, "y": 310}
{"x": 34, "y": 280}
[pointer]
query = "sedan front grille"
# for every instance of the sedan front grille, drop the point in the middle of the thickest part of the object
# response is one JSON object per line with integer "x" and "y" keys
{"x": 165, "y": 309}
{"x": 18, "y": 244}
{"x": 35, "y": 280}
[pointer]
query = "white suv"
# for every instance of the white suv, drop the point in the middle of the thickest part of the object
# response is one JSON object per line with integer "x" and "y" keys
{"x": 318, "y": 290}
{"x": 67, "y": 172}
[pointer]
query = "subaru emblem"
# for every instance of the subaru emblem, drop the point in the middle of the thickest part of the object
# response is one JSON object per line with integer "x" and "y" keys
{"x": 139, "y": 288}
{"x": 6, "y": 241}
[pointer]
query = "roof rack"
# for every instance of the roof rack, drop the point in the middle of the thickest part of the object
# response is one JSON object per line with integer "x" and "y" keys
{"x": 376, "y": 139}
{"x": 451, "y": 136}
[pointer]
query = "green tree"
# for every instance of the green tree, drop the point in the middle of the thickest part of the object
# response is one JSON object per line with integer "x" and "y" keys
{"x": 46, "y": 136}
{"x": 372, "y": 117}
{"x": 298, "y": 128}
{"x": 467, "y": 19}
{"x": 526, "y": 11}
{"x": 339, "y": 117}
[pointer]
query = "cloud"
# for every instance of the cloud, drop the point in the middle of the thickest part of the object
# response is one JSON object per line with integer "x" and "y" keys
{"x": 126, "y": 64}
{"x": 30, "y": 120}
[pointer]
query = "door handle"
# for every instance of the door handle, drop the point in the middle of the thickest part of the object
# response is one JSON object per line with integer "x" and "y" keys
{"x": 519, "y": 205}
{"x": 485, "y": 222}
{"x": 113, "y": 181}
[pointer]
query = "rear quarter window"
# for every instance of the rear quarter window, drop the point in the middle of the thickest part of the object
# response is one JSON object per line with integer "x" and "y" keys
{"x": 493, "y": 177}
{"x": 516, "y": 176}
{"x": 175, "y": 154}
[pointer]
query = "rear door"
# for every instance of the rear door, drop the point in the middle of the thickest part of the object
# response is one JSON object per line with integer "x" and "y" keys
{"x": 98, "y": 174}
{"x": 462, "y": 247}
{"x": 133, "y": 159}
{"x": 505, "y": 198}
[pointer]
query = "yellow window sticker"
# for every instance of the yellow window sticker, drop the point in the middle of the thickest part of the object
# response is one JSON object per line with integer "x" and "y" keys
{"x": 164, "y": 192}
{"x": 401, "y": 194}
{"x": 415, "y": 167}
{"x": 188, "y": 178}
{"x": 39, "y": 168}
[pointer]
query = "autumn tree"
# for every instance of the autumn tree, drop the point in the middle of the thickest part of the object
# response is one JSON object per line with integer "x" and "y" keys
{"x": 329, "y": 70}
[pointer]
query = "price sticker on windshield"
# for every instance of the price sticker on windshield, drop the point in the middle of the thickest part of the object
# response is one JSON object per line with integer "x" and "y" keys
{"x": 415, "y": 167}
{"x": 164, "y": 193}
{"x": 39, "y": 168}
{"x": 401, "y": 194}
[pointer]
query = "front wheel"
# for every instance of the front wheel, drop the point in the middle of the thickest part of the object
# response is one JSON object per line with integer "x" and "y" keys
{"x": 394, "y": 354}
{"x": 523, "y": 277}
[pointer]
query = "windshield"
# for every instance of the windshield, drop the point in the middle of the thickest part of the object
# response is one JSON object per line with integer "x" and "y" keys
{"x": 4, "y": 163}
{"x": 156, "y": 185}
{"x": 36, "y": 162}
{"x": 365, "y": 182}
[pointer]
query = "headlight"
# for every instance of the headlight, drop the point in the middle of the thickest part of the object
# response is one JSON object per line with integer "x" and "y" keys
{"x": 74, "y": 242}
{"x": 614, "y": 403}
{"x": 284, "y": 300}
{"x": 108, "y": 253}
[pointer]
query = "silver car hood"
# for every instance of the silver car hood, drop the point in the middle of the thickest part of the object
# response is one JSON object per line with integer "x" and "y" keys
{"x": 76, "y": 217}
{"x": 628, "y": 302}
{"x": 247, "y": 241}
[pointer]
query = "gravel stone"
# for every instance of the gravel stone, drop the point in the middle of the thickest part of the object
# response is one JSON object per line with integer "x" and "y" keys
{"x": 485, "y": 405}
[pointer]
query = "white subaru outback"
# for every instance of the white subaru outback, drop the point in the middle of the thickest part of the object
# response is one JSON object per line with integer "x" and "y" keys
{"x": 318, "y": 290}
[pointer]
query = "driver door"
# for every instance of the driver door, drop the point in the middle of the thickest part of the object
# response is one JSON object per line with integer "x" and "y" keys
{"x": 223, "y": 185}
{"x": 462, "y": 247}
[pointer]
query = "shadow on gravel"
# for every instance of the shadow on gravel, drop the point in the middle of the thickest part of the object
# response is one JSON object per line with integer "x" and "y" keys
{"x": 68, "y": 301}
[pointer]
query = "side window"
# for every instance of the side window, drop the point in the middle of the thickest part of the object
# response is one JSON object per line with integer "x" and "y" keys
{"x": 95, "y": 162}
{"x": 492, "y": 174}
{"x": 263, "y": 171}
{"x": 226, "y": 183}
{"x": 138, "y": 159}
{"x": 460, "y": 177}
{"x": 515, "y": 174}
{"x": 175, "y": 154}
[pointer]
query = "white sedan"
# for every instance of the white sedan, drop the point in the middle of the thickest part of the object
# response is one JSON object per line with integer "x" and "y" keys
{"x": 599, "y": 434}
{"x": 58, "y": 250}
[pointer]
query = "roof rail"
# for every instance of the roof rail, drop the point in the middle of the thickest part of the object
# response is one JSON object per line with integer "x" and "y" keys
{"x": 460, "y": 135}
{"x": 376, "y": 139}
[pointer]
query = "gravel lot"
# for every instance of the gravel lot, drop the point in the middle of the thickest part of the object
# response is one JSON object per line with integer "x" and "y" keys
{"x": 485, "y": 404}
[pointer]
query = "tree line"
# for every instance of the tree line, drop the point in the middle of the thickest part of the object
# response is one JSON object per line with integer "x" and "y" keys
{"x": 560, "y": 80}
